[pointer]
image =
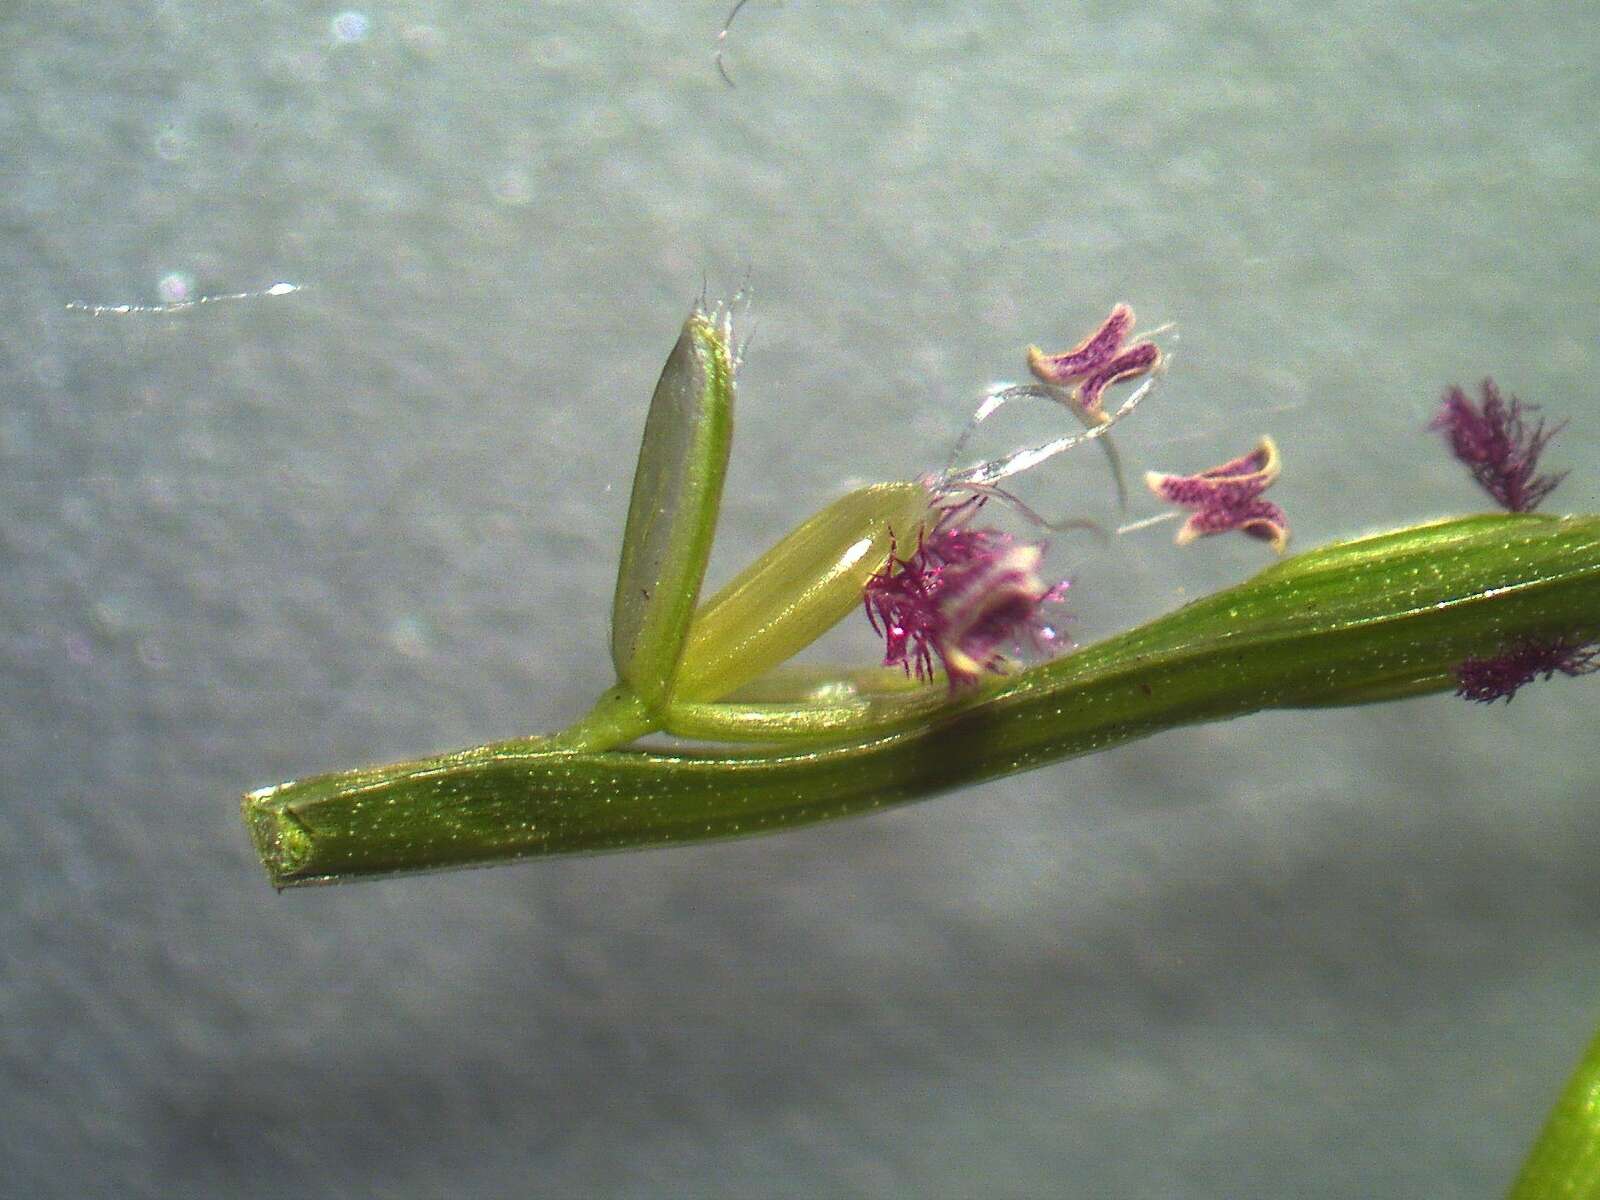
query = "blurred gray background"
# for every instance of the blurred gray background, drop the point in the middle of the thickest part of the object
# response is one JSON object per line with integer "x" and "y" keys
{"x": 1315, "y": 954}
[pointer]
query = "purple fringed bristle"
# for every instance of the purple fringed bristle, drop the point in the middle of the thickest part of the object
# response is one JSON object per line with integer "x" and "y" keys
{"x": 1486, "y": 680}
{"x": 1496, "y": 443}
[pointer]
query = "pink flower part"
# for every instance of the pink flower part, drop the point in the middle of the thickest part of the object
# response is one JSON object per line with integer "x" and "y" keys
{"x": 962, "y": 598}
{"x": 1499, "y": 678}
{"x": 1097, "y": 362}
{"x": 1099, "y": 348}
{"x": 1500, "y": 450}
{"x": 1228, "y": 497}
{"x": 991, "y": 605}
{"x": 1133, "y": 361}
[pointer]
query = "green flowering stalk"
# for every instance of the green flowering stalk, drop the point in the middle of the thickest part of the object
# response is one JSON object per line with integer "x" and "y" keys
{"x": 1564, "y": 1163}
{"x": 1479, "y": 604}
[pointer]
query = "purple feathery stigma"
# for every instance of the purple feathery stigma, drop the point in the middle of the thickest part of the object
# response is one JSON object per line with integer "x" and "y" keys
{"x": 1098, "y": 361}
{"x": 963, "y": 597}
{"x": 1498, "y": 442}
{"x": 1499, "y": 678}
{"x": 1495, "y": 443}
{"x": 1228, "y": 497}
{"x": 992, "y": 604}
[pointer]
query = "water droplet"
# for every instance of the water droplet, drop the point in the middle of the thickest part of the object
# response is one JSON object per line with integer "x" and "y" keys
{"x": 171, "y": 145}
{"x": 835, "y": 691}
{"x": 175, "y": 288}
{"x": 350, "y": 26}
